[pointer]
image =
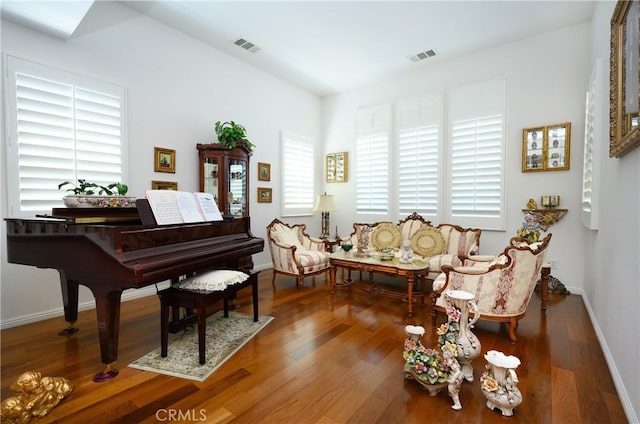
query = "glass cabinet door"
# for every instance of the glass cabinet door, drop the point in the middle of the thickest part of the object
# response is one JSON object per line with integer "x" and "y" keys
{"x": 237, "y": 187}
{"x": 211, "y": 177}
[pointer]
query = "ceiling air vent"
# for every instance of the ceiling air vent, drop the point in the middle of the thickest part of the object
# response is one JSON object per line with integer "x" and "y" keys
{"x": 422, "y": 55}
{"x": 241, "y": 42}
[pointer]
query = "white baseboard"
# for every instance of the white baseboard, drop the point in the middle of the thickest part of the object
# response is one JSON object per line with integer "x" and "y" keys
{"x": 615, "y": 374}
{"x": 59, "y": 312}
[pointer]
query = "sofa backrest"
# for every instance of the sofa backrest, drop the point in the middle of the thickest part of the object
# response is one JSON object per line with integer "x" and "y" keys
{"x": 460, "y": 241}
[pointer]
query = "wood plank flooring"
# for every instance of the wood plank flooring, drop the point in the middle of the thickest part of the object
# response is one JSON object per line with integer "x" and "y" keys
{"x": 323, "y": 359}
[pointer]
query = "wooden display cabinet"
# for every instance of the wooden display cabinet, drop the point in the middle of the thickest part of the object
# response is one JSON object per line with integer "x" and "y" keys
{"x": 224, "y": 172}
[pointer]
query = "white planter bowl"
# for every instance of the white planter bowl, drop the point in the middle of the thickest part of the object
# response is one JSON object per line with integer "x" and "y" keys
{"x": 98, "y": 201}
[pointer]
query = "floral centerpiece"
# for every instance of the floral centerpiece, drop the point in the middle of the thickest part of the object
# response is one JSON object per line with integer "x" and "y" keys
{"x": 428, "y": 365}
{"x": 433, "y": 369}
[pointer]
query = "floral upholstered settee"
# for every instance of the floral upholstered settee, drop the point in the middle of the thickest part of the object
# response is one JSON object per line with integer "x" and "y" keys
{"x": 294, "y": 252}
{"x": 445, "y": 244}
{"x": 502, "y": 285}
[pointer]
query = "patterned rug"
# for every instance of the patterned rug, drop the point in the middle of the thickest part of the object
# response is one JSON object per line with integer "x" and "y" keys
{"x": 225, "y": 336}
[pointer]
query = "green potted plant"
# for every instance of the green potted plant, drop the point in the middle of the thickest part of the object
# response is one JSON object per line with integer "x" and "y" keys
{"x": 89, "y": 194}
{"x": 231, "y": 135}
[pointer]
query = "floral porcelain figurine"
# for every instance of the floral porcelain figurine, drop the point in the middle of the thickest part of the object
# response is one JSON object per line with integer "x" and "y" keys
{"x": 498, "y": 383}
{"x": 407, "y": 253}
{"x": 431, "y": 368}
{"x": 530, "y": 229}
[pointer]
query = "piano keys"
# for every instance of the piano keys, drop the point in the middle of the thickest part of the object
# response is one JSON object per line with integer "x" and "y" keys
{"x": 110, "y": 257}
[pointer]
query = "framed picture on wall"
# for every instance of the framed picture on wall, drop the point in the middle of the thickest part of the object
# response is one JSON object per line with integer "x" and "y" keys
{"x": 624, "y": 128}
{"x": 264, "y": 171}
{"x": 164, "y": 160}
{"x": 546, "y": 148}
{"x": 164, "y": 185}
{"x": 336, "y": 167}
{"x": 264, "y": 195}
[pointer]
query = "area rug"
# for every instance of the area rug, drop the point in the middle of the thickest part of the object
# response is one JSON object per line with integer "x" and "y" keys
{"x": 225, "y": 336}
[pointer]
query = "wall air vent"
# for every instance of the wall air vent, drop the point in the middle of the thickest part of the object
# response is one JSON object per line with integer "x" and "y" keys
{"x": 422, "y": 55}
{"x": 241, "y": 42}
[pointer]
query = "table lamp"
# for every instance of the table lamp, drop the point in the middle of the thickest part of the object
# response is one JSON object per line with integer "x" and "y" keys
{"x": 324, "y": 204}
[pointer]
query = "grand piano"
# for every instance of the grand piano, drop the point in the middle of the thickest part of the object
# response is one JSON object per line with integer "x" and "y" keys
{"x": 125, "y": 251}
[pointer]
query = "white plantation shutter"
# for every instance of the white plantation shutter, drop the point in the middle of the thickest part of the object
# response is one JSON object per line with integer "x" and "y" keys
{"x": 476, "y": 155}
{"x": 419, "y": 138}
{"x": 298, "y": 175}
{"x": 372, "y": 160}
{"x": 61, "y": 127}
{"x": 591, "y": 165}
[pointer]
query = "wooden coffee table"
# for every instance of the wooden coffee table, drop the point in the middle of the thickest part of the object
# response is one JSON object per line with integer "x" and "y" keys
{"x": 413, "y": 273}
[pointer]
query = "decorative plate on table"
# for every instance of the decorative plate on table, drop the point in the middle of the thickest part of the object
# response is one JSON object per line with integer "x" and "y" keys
{"x": 386, "y": 235}
{"x": 427, "y": 242}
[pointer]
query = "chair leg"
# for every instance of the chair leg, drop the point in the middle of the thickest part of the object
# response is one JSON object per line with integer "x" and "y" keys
{"x": 300, "y": 281}
{"x": 273, "y": 279}
{"x": 513, "y": 326}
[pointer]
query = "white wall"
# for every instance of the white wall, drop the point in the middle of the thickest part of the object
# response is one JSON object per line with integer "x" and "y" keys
{"x": 612, "y": 253}
{"x": 547, "y": 80}
{"x": 177, "y": 88}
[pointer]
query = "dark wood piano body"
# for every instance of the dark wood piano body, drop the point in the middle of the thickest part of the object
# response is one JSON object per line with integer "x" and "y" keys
{"x": 109, "y": 258}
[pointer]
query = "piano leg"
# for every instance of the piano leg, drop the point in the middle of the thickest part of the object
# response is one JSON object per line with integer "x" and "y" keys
{"x": 70, "y": 302}
{"x": 108, "y": 313}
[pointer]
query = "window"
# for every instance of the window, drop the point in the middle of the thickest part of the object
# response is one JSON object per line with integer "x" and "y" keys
{"x": 477, "y": 119}
{"x": 452, "y": 175}
{"x": 61, "y": 127}
{"x": 372, "y": 160}
{"x": 419, "y": 139}
{"x": 298, "y": 175}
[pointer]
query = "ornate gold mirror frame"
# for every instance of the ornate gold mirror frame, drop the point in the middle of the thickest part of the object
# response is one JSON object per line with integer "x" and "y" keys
{"x": 624, "y": 129}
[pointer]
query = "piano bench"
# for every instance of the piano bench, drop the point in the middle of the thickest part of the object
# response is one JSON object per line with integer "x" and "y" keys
{"x": 200, "y": 301}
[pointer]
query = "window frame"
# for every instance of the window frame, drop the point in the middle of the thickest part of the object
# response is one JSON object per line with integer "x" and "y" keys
{"x": 13, "y": 65}
{"x": 304, "y": 174}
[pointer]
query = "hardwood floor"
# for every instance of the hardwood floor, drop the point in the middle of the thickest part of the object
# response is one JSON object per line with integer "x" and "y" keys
{"x": 323, "y": 359}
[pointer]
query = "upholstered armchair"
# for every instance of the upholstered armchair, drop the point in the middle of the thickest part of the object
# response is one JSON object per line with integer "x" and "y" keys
{"x": 294, "y": 252}
{"x": 502, "y": 285}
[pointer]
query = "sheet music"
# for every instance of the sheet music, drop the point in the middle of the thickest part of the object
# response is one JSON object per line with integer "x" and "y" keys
{"x": 164, "y": 205}
{"x": 188, "y": 207}
{"x": 208, "y": 206}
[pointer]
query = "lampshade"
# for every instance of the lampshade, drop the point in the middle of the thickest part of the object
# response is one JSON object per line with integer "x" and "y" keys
{"x": 324, "y": 203}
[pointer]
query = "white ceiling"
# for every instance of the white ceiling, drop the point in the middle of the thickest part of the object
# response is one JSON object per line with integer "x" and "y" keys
{"x": 334, "y": 46}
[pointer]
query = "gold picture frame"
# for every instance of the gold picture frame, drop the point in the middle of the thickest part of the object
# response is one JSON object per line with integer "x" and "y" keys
{"x": 164, "y": 185}
{"x": 624, "y": 125}
{"x": 264, "y": 195}
{"x": 164, "y": 160}
{"x": 546, "y": 148}
{"x": 264, "y": 171}
{"x": 337, "y": 167}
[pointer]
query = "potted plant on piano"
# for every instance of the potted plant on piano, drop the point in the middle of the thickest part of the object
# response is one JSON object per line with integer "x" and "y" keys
{"x": 231, "y": 134}
{"x": 87, "y": 194}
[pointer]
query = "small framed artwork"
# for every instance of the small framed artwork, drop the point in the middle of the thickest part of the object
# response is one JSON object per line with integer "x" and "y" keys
{"x": 546, "y": 148}
{"x": 545, "y": 201}
{"x": 264, "y": 171}
{"x": 164, "y": 185}
{"x": 164, "y": 160}
{"x": 264, "y": 195}
{"x": 554, "y": 201}
{"x": 337, "y": 166}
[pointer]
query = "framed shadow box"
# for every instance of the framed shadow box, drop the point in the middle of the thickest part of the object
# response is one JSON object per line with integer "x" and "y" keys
{"x": 546, "y": 148}
{"x": 336, "y": 167}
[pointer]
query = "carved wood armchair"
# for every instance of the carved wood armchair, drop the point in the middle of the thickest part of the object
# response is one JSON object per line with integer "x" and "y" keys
{"x": 502, "y": 285}
{"x": 294, "y": 252}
